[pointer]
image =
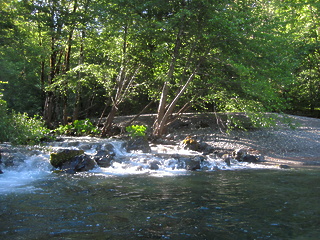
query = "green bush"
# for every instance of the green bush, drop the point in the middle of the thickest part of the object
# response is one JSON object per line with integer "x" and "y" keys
{"x": 19, "y": 128}
{"x": 78, "y": 128}
{"x": 136, "y": 130}
{"x": 4, "y": 121}
{"x": 27, "y": 130}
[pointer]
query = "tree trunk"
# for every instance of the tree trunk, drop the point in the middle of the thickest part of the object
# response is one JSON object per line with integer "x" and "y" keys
{"x": 78, "y": 89}
{"x": 50, "y": 98}
{"x": 108, "y": 123}
{"x": 163, "y": 123}
{"x": 164, "y": 94}
{"x": 123, "y": 84}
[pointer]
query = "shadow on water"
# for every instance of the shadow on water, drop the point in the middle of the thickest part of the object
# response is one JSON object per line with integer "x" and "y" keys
{"x": 240, "y": 204}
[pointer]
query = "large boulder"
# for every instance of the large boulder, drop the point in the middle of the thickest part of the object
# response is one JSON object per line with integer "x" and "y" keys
{"x": 205, "y": 148}
{"x": 80, "y": 163}
{"x": 104, "y": 158}
{"x": 154, "y": 164}
{"x": 58, "y": 158}
{"x": 72, "y": 161}
{"x": 194, "y": 163}
{"x": 138, "y": 144}
{"x": 243, "y": 156}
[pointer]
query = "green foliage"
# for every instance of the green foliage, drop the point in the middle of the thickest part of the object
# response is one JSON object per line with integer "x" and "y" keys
{"x": 4, "y": 121}
{"x": 20, "y": 129}
{"x": 78, "y": 128}
{"x": 136, "y": 130}
{"x": 248, "y": 114}
{"x": 27, "y": 130}
{"x": 253, "y": 56}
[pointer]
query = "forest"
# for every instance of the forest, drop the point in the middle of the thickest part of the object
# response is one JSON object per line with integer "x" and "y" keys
{"x": 69, "y": 60}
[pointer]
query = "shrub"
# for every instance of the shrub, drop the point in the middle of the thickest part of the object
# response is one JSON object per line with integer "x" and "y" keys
{"x": 78, "y": 128}
{"x": 27, "y": 130}
{"x": 136, "y": 130}
{"x": 19, "y": 128}
{"x": 4, "y": 122}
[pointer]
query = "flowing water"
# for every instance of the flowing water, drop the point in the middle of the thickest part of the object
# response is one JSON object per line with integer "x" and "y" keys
{"x": 236, "y": 202}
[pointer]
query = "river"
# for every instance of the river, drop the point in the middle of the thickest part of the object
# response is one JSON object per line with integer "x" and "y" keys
{"x": 244, "y": 202}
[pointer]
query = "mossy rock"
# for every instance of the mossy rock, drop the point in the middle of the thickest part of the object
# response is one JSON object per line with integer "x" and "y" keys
{"x": 190, "y": 143}
{"x": 59, "y": 158}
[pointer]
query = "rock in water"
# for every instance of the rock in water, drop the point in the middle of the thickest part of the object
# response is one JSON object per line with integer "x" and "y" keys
{"x": 71, "y": 161}
{"x": 250, "y": 158}
{"x": 80, "y": 163}
{"x": 154, "y": 164}
{"x": 63, "y": 155}
{"x": 242, "y": 156}
{"x": 194, "y": 163}
{"x": 138, "y": 143}
{"x": 104, "y": 158}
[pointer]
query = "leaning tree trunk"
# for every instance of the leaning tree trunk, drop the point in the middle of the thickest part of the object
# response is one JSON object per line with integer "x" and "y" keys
{"x": 108, "y": 123}
{"x": 163, "y": 122}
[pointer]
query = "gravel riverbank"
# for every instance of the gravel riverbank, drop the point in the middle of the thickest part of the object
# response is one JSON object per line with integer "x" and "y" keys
{"x": 279, "y": 145}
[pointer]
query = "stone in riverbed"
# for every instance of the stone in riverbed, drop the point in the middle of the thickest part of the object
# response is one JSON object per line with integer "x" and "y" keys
{"x": 80, "y": 163}
{"x": 190, "y": 143}
{"x": 154, "y": 164}
{"x": 250, "y": 158}
{"x": 283, "y": 166}
{"x": 139, "y": 144}
{"x": 194, "y": 163}
{"x": 104, "y": 158}
{"x": 72, "y": 161}
{"x": 242, "y": 156}
{"x": 57, "y": 159}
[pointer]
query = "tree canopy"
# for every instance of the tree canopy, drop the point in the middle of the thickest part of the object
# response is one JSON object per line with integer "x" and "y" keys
{"x": 87, "y": 58}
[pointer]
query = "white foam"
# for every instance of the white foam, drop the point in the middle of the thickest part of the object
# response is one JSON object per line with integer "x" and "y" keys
{"x": 167, "y": 159}
{"x": 20, "y": 177}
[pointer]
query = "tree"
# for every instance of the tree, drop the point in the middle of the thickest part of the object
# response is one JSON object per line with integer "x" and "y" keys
{"x": 221, "y": 53}
{"x": 87, "y": 58}
{"x": 304, "y": 91}
{"x": 17, "y": 67}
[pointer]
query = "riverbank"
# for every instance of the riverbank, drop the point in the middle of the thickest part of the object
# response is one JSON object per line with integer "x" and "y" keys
{"x": 280, "y": 145}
